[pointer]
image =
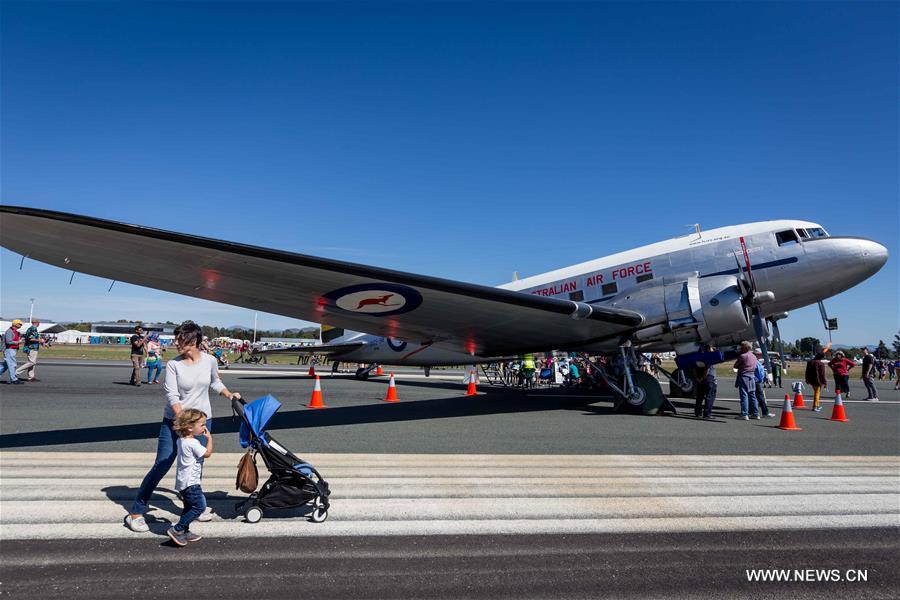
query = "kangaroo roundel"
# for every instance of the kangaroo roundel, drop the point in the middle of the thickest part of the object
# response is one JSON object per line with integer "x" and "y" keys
{"x": 382, "y": 299}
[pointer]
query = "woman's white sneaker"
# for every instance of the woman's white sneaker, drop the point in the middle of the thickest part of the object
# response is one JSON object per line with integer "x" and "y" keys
{"x": 138, "y": 524}
{"x": 206, "y": 515}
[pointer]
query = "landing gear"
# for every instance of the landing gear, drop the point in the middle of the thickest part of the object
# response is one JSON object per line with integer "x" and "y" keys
{"x": 680, "y": 385}
{"x": 641, "y": 392}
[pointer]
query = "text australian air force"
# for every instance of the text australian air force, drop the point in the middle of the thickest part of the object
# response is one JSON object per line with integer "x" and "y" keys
{"x": 592, "y": 280}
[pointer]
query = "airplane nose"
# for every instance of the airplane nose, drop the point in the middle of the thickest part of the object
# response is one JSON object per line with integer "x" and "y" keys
{"x": 874, "y": 254}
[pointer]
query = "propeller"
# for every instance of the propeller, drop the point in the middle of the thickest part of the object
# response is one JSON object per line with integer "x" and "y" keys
{"x": 753, "y": 299}
{"x": 774, "y": 321}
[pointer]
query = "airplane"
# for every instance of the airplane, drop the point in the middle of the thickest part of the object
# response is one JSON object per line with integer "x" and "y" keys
{"x": 371, "y": 351}
{"x": 714, "y": 287}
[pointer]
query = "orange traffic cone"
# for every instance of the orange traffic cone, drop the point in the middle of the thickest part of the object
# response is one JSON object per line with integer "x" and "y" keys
{"x": 837, "y": 413}
{"x": 787, "y": 416}
{"x": 315, "y": 400}
{"x": 470, "y": 391}
{"x": 392, "y": 391}
{"x": 798, "y": 400}
{"x": 312, "y": 370}
{"x": 378, "y": 371}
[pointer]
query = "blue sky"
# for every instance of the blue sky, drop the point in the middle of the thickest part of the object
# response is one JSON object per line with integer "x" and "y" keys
{"x": 464, "y": 140}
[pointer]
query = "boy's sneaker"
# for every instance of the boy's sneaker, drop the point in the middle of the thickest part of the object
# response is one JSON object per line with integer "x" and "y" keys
{"x": 178, "y": 538}
{"x": 138, "y": 524}
{"x": 206, "y": 515}
{"x": 742, "y": 417}
{"x": 190, "y": 536}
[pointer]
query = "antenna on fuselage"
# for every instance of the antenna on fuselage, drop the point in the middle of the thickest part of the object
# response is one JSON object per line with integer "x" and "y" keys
{"x": 696, "y": 227}
{"x": 515, "y": 276}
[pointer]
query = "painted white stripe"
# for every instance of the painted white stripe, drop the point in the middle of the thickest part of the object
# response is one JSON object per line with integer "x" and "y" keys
{"x": 46, "y": 495}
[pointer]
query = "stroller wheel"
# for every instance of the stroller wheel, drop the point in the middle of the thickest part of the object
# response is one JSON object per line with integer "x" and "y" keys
{"x": 254, "y": 514}
{"x": 319, "y": 513}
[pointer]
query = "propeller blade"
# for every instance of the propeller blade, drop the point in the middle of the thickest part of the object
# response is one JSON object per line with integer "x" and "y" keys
{"x": 761, "y": 334}
{"x": 747, "y": 261}
{"x": 743, "y": 284}
{"x": 778, "y": 340}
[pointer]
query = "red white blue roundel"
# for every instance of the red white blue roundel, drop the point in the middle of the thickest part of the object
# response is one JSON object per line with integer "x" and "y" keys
{"x": 377, "y": 299}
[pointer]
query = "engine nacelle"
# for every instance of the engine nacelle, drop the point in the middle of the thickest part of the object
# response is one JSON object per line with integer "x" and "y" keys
{"x": 687, "y": 310}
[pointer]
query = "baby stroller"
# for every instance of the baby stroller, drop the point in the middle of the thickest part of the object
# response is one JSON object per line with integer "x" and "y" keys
{"x": 293, "y": 483}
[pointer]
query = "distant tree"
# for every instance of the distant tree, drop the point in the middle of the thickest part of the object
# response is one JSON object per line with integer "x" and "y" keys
{"x": 882, "y": 350}
{"x": 809, "y": 345}
{"x": 897, "y": 345}
{"x": 85, "y": 327}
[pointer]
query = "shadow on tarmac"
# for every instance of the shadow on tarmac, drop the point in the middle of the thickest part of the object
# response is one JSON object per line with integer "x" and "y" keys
{"x": 494, "y": 401}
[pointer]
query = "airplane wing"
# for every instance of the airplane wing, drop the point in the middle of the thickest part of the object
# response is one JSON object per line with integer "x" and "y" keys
{"x": 472, "y": 318}
{"x": 327, "y": 349}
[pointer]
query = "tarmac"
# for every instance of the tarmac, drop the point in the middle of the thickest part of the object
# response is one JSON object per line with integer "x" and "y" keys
{"x": 507, "y": 494}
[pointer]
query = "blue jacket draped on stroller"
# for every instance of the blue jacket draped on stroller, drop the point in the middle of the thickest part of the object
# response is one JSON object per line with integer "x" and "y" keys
{"x": 293, "y": 482}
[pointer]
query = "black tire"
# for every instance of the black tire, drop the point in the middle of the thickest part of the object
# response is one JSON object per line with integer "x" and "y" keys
{"x": 362, "y": 374}
{"x": 675, "y": 391}
{"x": 651, "y": 395}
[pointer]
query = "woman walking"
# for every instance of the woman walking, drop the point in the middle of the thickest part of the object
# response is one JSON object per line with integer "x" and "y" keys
{"x": 189, "y": 377}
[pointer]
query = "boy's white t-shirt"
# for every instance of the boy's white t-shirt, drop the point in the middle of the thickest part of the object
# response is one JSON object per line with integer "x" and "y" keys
{"x": 189, "y": 466}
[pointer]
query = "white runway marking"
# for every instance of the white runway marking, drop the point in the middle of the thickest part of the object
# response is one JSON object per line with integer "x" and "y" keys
{"x": 71, "y": 495}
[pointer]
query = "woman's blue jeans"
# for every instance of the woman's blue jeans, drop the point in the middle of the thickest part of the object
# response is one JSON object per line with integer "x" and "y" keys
{"x": 165, "y": 456}
{"x": 747, "y": 389}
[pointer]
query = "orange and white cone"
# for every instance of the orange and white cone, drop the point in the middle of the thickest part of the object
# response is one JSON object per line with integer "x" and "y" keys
{"x": 787, "y": 416}
{"x": 470, "y": 391}
{"x": 315, "y": 400}
{"x": 392, "y": 391}
{"x": 798, "y": 400}
{"x": 312, "y": 370}
{"x": 379, "y": 371}
{"x": 837, "y": 413}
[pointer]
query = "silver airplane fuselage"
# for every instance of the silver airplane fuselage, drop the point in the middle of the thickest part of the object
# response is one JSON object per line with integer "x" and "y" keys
{"x": 797, "y": 261}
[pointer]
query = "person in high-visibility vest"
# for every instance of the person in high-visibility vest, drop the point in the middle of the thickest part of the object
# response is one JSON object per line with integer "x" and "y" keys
{"x": 528, "y": 369}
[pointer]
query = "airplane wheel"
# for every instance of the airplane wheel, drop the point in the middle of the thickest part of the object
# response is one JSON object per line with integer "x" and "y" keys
{"x": 649, "y": 396}
{"x": 676, "y": 391}
{"x": 362, "y": 374}
{"x": 254, "y": 514}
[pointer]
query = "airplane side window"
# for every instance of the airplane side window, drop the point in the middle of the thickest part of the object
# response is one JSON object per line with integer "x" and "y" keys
{"x": 610, "y": 288}
{"x": 577, "y": 296}
{"x": 787, "y": 237}
{"x": 644, "y": 277}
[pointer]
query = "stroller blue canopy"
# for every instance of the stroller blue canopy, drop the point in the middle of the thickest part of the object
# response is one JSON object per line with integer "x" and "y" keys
{"x": 258, "y": 414}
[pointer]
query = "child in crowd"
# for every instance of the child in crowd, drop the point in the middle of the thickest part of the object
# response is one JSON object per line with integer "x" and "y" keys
{"x": 154, "y": 358}
{"x": 189, "y": 424}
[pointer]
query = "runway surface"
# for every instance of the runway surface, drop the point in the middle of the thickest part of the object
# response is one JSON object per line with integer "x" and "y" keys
{"x": 79, "y": 408}
{"x": 507, "y": 494}
{"x": 578, "y": 566}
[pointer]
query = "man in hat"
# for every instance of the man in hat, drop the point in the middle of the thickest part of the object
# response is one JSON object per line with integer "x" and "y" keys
{"x": 10, "y": 343}
{"x": 33, "y": 343}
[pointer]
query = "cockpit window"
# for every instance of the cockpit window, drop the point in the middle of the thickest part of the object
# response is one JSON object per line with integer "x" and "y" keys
{"x": 817, "y": 232}
{"x": 803, "y": 234}
{"x": 787, "y": 237}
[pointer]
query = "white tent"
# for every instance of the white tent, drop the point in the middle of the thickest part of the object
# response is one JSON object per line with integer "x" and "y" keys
{"x": 73, "y": 336}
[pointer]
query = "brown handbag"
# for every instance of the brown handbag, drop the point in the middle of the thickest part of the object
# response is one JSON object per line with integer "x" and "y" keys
{"x": 247, "y": 475}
